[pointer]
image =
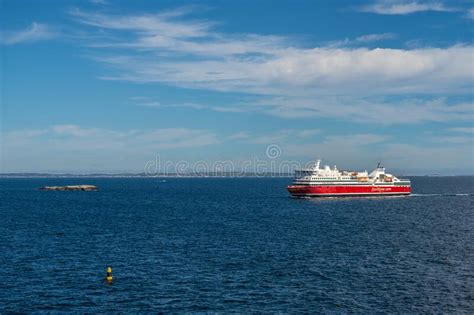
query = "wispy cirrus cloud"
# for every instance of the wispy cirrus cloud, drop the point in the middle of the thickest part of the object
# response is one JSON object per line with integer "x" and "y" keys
{"x": 91, "y": 138}
{"x": 403, "y": 7}
{"x": 362, "y": 40}
{"x": 167, "y": 31}
{"x": 35, "y": 32}
{"x": 279, "y": 136}
{"x": 150, "y": 26}
{"x": 374, "y": 110}
{"x": 151, "y": 103}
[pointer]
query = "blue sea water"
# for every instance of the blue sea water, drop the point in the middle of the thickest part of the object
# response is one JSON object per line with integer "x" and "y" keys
{"x": 234, "y": 245}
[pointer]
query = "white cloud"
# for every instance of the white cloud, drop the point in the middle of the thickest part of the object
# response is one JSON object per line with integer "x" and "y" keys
{"x": 167, "y": 32}
{"x": 36, "y": 32}
{"x": 292, "y": 81}
{"x": 345, "y": 150}
{"x": 312, "y": 71}
{"x": 361, "y": 40}
{"x": 375, "y": 37}
{"x": 402, "y": 7}
{"x": 252, "y": 63}
{"x": 76, "y": 131}
{"x": 66, "y": 147}
{"x": 456, "y": 158}
{"x": 364, "y": 151}
{"x": 147, "y": 102}
{"x": 366, "y": 110}
{"x": 84, "y": 149}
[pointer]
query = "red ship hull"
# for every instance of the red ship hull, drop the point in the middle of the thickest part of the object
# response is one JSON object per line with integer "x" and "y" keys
{"x": 347, "y": 190}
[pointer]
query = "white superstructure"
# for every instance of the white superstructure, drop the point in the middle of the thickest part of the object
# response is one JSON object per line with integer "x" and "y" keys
{"x": 326, "y": 175}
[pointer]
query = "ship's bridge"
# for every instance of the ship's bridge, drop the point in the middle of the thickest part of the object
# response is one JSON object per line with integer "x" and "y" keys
{"x": 316, "y": 173}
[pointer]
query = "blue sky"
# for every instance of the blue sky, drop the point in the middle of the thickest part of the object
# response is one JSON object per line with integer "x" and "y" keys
{"x": 106, "y": 86}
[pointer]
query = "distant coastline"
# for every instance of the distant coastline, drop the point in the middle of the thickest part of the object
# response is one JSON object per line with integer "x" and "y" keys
{"x": 142, "y": 175}
{"x": 187, "y": 175}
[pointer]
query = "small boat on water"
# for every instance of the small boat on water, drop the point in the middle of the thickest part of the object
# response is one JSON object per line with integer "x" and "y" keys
{"x": 327, "y": 182}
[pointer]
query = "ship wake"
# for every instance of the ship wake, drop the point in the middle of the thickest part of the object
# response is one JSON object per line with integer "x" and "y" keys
{"x": 441, "y": 195}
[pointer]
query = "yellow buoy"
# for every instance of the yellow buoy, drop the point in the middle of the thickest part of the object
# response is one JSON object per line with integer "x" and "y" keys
{"x": 109, "y": 277}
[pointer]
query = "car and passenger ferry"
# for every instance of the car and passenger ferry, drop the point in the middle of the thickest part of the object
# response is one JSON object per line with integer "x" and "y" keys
{"x": 327, "y": 182}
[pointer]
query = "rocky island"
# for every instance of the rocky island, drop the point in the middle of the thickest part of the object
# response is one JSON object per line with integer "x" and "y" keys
{"x": 71, "y": 188}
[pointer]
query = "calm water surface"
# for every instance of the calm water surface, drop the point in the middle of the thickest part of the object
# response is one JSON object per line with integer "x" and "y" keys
{"x": 234, "y": 245}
